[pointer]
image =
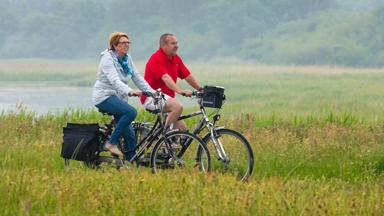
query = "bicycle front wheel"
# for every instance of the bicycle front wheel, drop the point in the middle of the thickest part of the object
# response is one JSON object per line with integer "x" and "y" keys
{"x": 178, "y": 150}
{"x": 237, "y": 156}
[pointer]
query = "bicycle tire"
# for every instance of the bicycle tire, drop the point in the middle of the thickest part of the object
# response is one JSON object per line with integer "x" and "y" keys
{"x": 241, "y": 160}
{"x": 185, "y": 152}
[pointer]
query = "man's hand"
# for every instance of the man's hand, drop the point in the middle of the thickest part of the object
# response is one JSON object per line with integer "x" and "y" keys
{"x": 135, "y": 93}
{"x": 201, "y": 89}
{"x": 186, "y": 93}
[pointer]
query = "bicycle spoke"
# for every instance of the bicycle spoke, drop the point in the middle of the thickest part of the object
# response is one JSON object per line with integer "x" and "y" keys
{"x": 238, "y": 157}
{"x": 179, "y": 151}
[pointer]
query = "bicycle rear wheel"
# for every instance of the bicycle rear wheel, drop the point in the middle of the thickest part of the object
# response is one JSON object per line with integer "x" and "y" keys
{"x": 239, "y": 153}
{"x": 178, "y": 150}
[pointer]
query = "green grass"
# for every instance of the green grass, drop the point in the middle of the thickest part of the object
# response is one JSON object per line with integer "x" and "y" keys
{"x": 317, "y": 134}
{"x": 314, "y": 168}
{"x": 303, "y": 91}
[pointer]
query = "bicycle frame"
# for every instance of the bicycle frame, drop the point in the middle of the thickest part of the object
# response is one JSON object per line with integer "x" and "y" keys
{"x": 146, "y": 143}
{"x": 205, "y": 122}
{"x": 157, "y": 130}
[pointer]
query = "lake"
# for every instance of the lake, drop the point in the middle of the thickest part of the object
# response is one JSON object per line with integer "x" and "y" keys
{"x": 54, "y": 99}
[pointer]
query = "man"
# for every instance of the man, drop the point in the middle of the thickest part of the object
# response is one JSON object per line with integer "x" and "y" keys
{"x": 161, "y": 71}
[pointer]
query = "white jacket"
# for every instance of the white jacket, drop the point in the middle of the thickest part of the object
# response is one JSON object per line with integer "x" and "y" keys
{"x": 111, "y": 79}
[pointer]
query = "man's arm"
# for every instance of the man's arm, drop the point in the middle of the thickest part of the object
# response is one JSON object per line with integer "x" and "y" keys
{"x": 172, "y": 85}
{"x": 192, "y": 81}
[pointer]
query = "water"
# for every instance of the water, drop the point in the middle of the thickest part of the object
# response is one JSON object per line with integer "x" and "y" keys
{"x": 45, "y": 99}
{"x": 55, "y": 99}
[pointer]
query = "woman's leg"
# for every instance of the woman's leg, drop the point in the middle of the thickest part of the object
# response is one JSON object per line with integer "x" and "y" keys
{"x": 129, "y": 139}
{"x": 124, "y": 115}
{"x": 129, "y": 142}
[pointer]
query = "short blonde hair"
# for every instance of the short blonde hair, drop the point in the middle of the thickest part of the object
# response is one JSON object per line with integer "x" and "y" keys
{"x": 114, "y": 38}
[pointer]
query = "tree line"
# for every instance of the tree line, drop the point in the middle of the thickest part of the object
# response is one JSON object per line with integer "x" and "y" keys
{"x": 333, "y": 32}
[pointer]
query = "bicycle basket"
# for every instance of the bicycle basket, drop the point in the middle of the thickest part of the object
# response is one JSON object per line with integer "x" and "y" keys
{"x": 213, "y": 96}
{"x": 80, "y": 141}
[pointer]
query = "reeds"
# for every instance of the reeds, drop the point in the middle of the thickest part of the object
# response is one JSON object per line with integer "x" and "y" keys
{"x": 326, "y": 166}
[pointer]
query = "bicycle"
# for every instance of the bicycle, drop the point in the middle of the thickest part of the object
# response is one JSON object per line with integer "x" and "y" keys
{"x": 233, "y": 151}
{"x": 169, "y": 151}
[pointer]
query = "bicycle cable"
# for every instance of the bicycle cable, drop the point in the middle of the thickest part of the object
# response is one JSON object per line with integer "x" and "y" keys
{"x": 215, "y": 111}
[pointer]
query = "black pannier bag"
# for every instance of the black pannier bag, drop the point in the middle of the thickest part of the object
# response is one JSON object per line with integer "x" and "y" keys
{"x": 80, "y": 141}
{"x": 213, "y": 96}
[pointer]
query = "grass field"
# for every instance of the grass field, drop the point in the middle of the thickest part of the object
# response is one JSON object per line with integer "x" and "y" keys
{"x": 317, "y": 135}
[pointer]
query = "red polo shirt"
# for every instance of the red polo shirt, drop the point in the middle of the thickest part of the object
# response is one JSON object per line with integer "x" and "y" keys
{"x": 158, "y": 65}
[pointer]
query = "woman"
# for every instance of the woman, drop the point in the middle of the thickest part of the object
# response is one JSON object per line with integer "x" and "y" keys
{"x": 111, "y": 92}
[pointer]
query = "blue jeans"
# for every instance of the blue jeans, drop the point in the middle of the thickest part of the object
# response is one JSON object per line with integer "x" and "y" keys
{"x": 124, "y": 114}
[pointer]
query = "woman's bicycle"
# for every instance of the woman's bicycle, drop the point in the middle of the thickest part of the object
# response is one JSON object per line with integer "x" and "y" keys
{"x": 232, "y": 150}
{"x": 170, "y": 151}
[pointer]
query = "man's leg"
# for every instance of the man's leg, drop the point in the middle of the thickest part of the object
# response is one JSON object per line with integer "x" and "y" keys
{"x": 180, "y": 125}
{"x": 174, "y": 109}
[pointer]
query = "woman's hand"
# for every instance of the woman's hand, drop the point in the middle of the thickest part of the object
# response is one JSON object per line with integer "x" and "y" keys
{"x": 135, "y": 93}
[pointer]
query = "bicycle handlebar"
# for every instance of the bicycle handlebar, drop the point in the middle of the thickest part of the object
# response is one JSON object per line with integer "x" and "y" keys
{"x": 197, "y": 94}
{"x": 148, "y": 94}
{"x": 156, "y": 95}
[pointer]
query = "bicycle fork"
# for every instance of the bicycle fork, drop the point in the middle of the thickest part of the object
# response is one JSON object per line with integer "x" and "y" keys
{"x": 215, "y": 138}
{"x": 218, "y": 146}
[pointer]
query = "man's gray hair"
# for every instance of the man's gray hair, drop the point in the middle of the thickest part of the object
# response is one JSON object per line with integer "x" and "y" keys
{"x": 163, "y": 38}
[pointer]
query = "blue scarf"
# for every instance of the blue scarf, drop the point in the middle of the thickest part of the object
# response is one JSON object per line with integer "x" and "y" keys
{"x": 124, "y": 64}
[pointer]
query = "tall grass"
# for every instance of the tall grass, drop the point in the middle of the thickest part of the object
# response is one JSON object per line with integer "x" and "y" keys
{"x": 315, "y": 167}
{"x": 317, "y": 134}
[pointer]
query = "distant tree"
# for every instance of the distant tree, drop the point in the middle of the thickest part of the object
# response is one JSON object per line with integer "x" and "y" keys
{"x": 279, "y": 31}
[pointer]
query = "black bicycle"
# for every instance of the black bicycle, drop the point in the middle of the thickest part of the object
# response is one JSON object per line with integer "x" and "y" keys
{"x": 232, "y": 150}
{"x": 170, "y": 149}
